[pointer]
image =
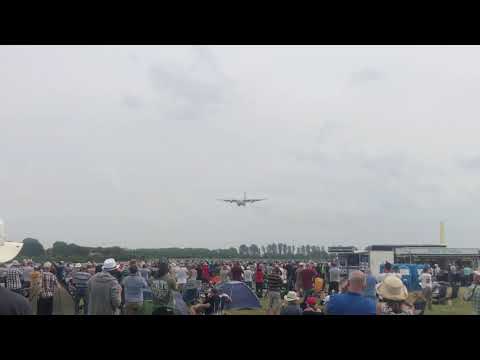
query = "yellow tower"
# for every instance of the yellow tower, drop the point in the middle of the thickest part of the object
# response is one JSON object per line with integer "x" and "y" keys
{"x": 442, "y": 234}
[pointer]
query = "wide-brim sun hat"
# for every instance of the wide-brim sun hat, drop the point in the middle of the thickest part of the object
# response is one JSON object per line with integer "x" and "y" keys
{"x": 15, "y": 263}
{"x": 392, "y": 288}
{"x": 47, "y": 265}
{"x": 291, "y": 296}
{"x": 109, "y": 265}
{"x": 77, "y": 265}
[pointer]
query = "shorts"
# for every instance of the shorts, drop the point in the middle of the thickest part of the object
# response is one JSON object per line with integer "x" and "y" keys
{"x": 274, "y": 300}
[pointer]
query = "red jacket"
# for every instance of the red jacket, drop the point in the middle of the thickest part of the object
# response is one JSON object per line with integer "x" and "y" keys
{"x": 259, "y": 276}
{"x": 205, "y": 272}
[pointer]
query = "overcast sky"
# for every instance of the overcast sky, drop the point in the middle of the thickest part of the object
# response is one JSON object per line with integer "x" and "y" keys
{"x": 132, "y": 145}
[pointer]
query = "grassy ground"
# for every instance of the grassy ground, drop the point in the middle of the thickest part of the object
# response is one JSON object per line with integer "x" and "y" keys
{"x": 63, "y": 305}
{"x": 457, "y": 307}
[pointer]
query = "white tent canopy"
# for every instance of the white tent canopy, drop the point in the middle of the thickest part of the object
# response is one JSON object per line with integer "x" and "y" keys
{"x": 8, "y": 250}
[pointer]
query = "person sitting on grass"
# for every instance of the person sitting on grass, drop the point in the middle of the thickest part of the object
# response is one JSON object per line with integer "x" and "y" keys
{"x": 311, "y": 307}
{"x": 393, "y": 295}
{"x": 292, "y": 308}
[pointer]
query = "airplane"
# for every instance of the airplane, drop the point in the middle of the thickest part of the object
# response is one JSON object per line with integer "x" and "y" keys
{"x": 241, "y": 202}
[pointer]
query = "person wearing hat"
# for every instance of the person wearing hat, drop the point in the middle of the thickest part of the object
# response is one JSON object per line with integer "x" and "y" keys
{"x": 292, "y": 308}
{"x": 352, "y": 302}
{"x": 104, "y": 291}
{"x": 393, "y": 295}
{"x": 14, "y": 278}
{"x": 47, "y": 290}
{"x": 80, "y": 285}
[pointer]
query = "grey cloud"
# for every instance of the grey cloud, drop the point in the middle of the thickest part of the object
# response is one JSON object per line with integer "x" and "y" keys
{"x": 366, "y": 75}
{"x": 472, "y": 163}
{"x": 133, "y": 102}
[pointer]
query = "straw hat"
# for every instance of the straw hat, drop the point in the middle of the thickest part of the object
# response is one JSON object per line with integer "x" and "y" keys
{"x": 392, "y": 288}
{"x": 291, "y": 296}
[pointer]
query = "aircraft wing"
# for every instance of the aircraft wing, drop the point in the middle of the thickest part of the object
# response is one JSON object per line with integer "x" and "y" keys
{"x": 227, "y": 200}
{"x": 254, "y": 200}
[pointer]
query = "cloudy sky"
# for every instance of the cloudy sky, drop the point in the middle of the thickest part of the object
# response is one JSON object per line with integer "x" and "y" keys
{"x": 132, "y": 145}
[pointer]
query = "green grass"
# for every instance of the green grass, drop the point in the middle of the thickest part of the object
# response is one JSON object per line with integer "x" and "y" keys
{"x": 457, "y": 307}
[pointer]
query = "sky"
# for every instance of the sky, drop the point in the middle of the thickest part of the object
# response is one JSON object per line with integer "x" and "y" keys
{"x": 133, "y": 145}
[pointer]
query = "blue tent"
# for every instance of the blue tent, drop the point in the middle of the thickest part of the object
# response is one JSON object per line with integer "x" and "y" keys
{"x": 242, "y": 296}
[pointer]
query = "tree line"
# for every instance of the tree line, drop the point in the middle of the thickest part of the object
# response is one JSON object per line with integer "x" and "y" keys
{"x": 32, "y": 248}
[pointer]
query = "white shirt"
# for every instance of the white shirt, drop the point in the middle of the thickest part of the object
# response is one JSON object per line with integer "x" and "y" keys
{"x": 182, "y": 275}
{"x": 426, "y": 280}
{"x": 248, "y": 275}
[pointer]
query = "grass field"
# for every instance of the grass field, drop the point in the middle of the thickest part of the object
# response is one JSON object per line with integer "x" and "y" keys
{"x": 63, "y": 305}
{"x": 457, "y": 307}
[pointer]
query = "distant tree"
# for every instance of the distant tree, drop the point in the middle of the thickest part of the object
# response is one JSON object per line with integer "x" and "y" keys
{"x": 303, "y": 251}
{"x": 308, "y": 250}
{"x": 32, "y": 248}
{"x": 263, "y": 250}
{"x": 274, "y": 249}
{"x": 243, "y": 250}
{"x": 254, "y": 250}
{"x": 280, "y": 249}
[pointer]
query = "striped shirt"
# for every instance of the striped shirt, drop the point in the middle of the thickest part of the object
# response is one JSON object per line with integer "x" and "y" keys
{"x": 49, "y": 285}
{"x": 14, "y": 279}
{"x": 476, "y": 301}
{"x": 80, "y": 279}
{"x": 275, "y": 282}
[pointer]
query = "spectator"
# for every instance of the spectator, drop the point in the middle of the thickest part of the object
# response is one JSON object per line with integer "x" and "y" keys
{"x": 224, "y": 273}
{"x": 27, "y": 275}
{"x": 274, "y": 283}
{"x": 192, "y": 274}
{"x": 47, "y": 291}
{"x": 473, "y": 293}
{"x": 393, "y": 295}
{"x": 387, "y": 270}
{"x": 467, "y": 276}
{"x": 181, "y": 277}
{"x": 298, "y": 277}
{"x": 12, "y": 303}
{"x": 259, "y": 281}
{"x": 334, "y": 280}
{"x": 104, "y": 291}
{"x": 35, "y": 288}
{"x": 308, "y": 276}
{"x": 426, "y": 284}
{"x": 79, "y": 282}
{"x": 205, "y": 273}
{"x": 237, "y": 272}
{"x": 14, "y": 278}
{"x": 60, "y": 271}
{"x": 145, "y": 272}
{"x": 292, "y": 308}
{"x": 163, "y": 286}
{"x": 134, "y": 284}
{"x": 352, "y": 302}
{"x": 248, "y": 274}
{"x": 311, "y": 307}
{"x": 290, "y": 276}
{"x": 370, "y": 288}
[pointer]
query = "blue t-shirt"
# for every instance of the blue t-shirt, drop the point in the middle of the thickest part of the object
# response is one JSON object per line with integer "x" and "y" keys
{"x": 370, "y": 290}
{"x": 351, "y": 304}
{"x": 134, "y": 285}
